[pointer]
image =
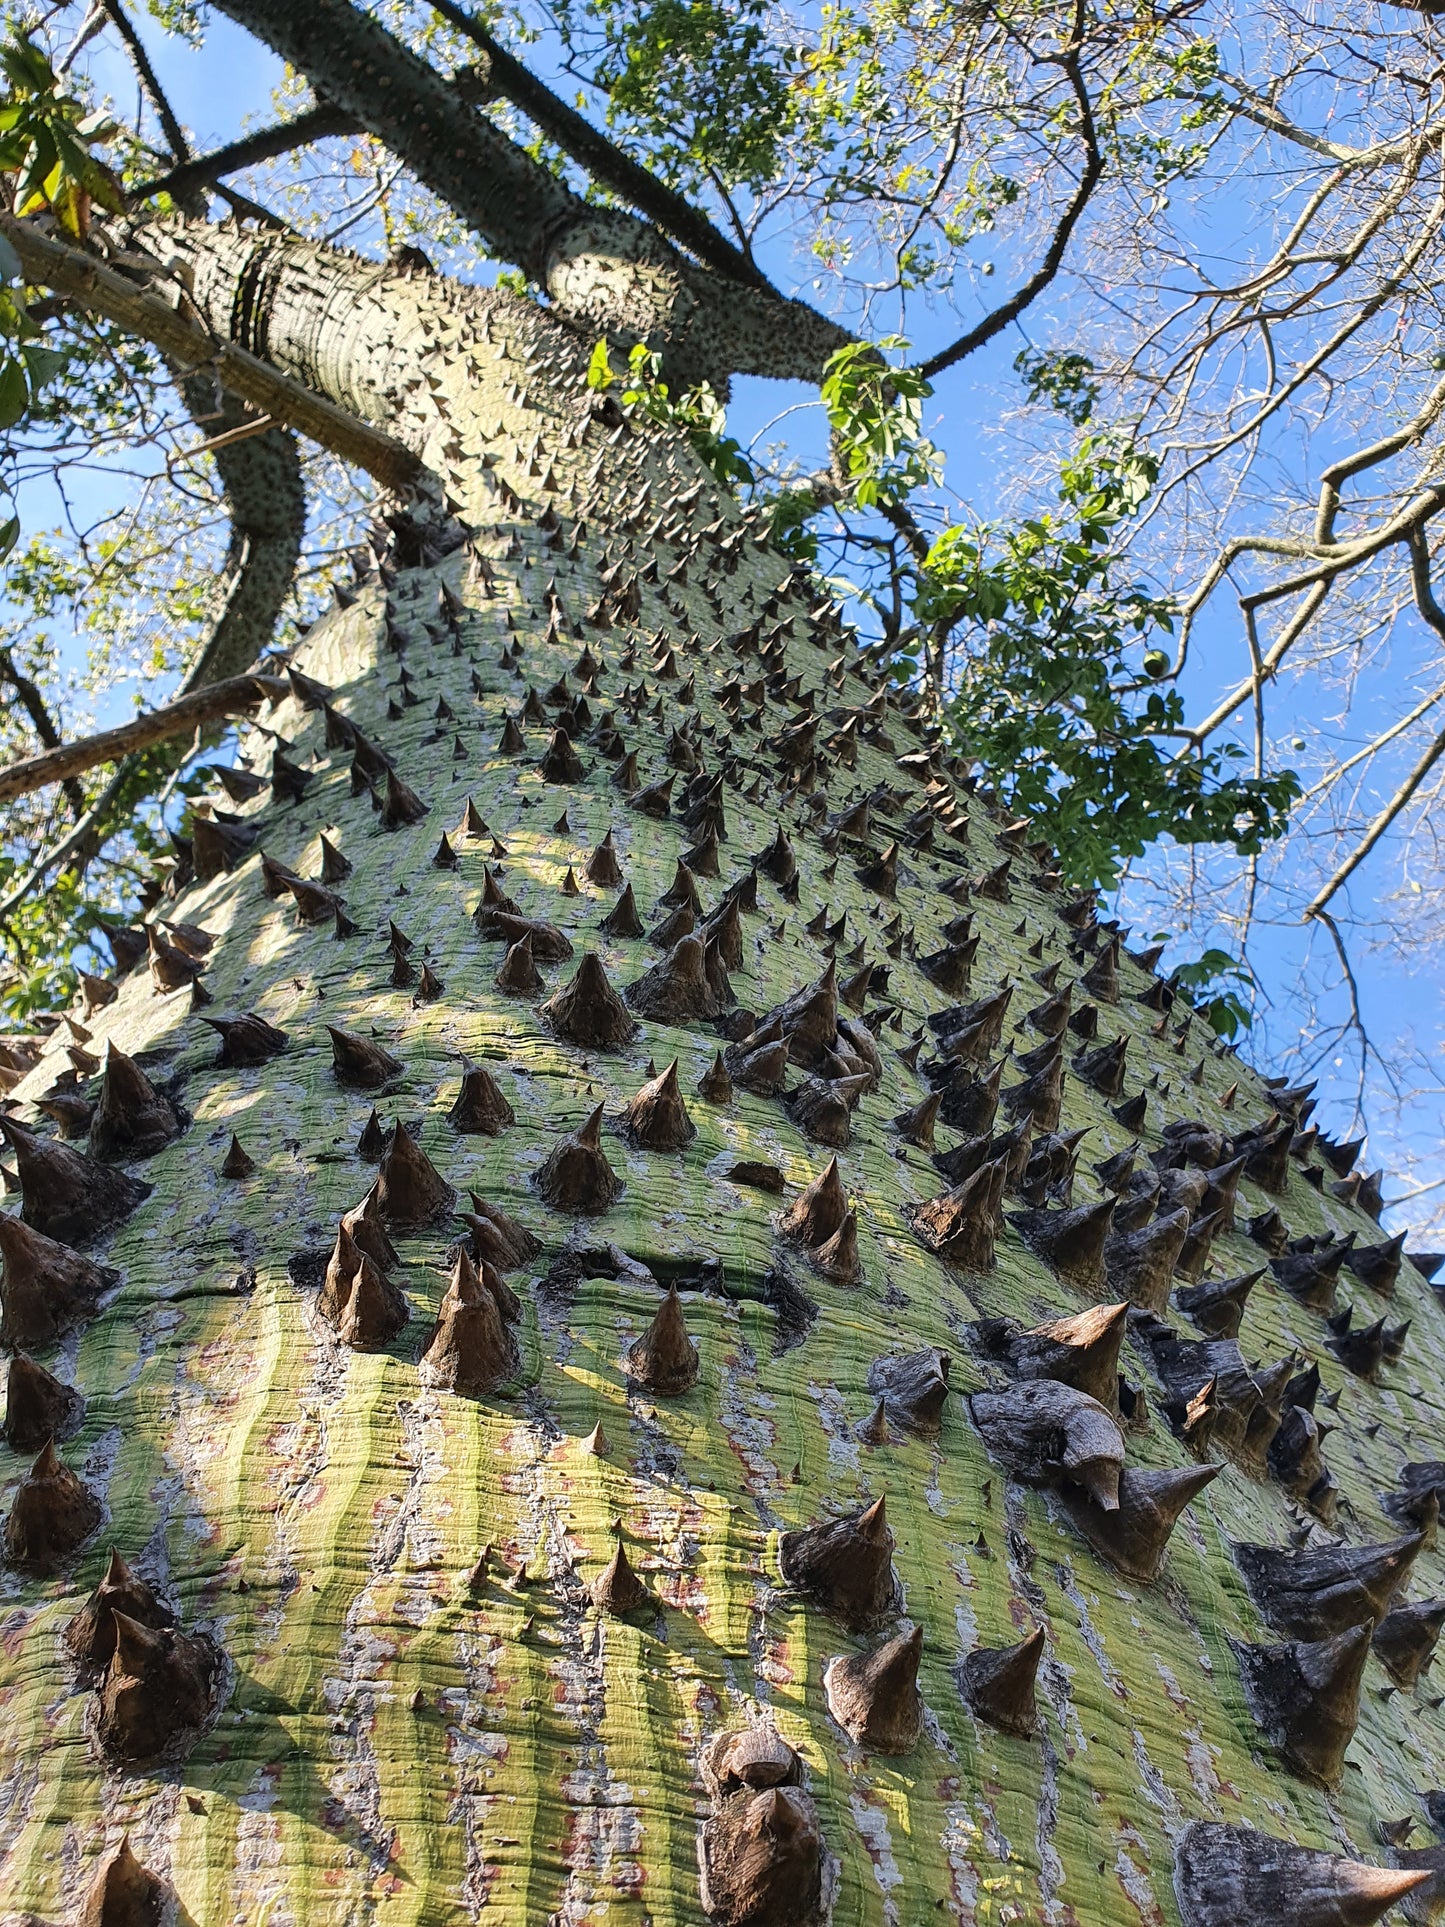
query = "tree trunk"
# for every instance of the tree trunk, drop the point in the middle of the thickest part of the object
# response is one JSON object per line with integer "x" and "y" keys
{"x": 439, "y": 1697}
{"x": 601, "y": 267}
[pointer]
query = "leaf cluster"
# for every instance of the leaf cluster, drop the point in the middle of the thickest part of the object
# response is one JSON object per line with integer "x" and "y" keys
{"x": 697, "y": 411}
{"x": 45, "y": 136}
{"x": 875, "y": 412}
{"x": 705, "y": 85}
{"x": 1220, "y": 983}
{"x": 1049, "y": 698}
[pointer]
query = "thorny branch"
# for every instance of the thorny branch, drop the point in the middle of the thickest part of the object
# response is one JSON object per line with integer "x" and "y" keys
{"x": 147, "y": 314}
{"x": 506, "y": 78}
{"x": 146, "y": 74}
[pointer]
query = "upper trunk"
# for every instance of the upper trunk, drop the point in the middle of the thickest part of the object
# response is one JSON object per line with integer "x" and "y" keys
{"x": 443, "y": 1689}
{"x": 604, "y": 270}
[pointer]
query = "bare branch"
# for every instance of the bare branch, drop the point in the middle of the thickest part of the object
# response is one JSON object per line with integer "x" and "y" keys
{"x": 1375, "y": 745}
{"x": 1430, "y": 609}
{"x": 319, "y": 123}
{"x": 89, "y": 27}
{"x": 1090, "y": 176}
{"x": 234, "y": 697}
{"x": 1366, "y": 458}
{"x": 80, "y": 843}
{"x": 139, "y": 59}
{"x": 1356, "y": 1020}
{"x": 41, "y": 721}
{"x": 1267, "y": 665}
{"x": 1250, "y": 105}
{"x": 1312, "y": 365}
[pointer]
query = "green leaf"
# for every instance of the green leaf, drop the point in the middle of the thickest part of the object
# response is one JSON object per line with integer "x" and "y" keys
{"x": 599, "y": 369}
{"x": 42, "y": 364}
{"x": 14, "y": 392}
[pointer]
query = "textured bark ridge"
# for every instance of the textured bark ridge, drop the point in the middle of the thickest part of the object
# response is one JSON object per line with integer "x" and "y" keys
{"x": 918, "y": 1524}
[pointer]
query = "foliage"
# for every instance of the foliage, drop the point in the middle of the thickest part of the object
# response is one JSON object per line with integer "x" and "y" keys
{"x": 1062, "y": 378}
{"x": 182, "y": 17}
{"x": 50, "y": 935}
{"x": 875, "y": 412}
{"x": 701, "y": 83}
{"x": 40, "y": 974}
{"x": 927, "y": 136}
{"x": 698, "y": 412}
{"x": 45, "y": 165}
{"x": 26, "y": 364}
{"x": 1227, "y": 980}
{"x": 1048, "y": 652}
{"x": 791, "y": 513}
{"x": 1049, "y": 699}
{"x": 45, "y": 133}
{"x": 908, "y": 151}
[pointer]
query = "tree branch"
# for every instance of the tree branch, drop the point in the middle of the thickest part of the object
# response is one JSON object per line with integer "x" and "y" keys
{"x": 1430, "y": 609}
{"x": 1251, "y": 106}
{"x": 146, "y": 74}
{"x": 601, "y": 157}
{"x": 1278, "y": 650}
{"x": 186, "y": 342}
{"x": 1093, "y": 171}
{"x": 266, "y": 497}
{"x": 1422, "y": 238}
{"x": 1356, "y": 1020}
{"x": 903, "y": 520}
{"x": 319, "y": 123}
{"x": 234, "y": 697}
{"x": 89, "y": 27}
{"x": 1366, "y": 458}
{"x": 1375, "y": 745}
{"x": 80, "y": 843}
{"x": 35, "y": 707}
{"x": 605, "y": 271}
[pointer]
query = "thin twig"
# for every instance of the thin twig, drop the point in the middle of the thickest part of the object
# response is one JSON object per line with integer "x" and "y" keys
{"x": 1091, "y": 174}
{"x": 1430, "y": 609}
{"x": 318, "y": 123}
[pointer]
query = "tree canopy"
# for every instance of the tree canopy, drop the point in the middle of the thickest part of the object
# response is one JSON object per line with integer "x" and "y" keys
{"x": 1110, "y": 346}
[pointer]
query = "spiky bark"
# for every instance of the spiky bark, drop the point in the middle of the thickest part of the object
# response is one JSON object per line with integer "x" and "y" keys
{"x": 415, "y": 1671}
{"x": 602, "y": 267}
